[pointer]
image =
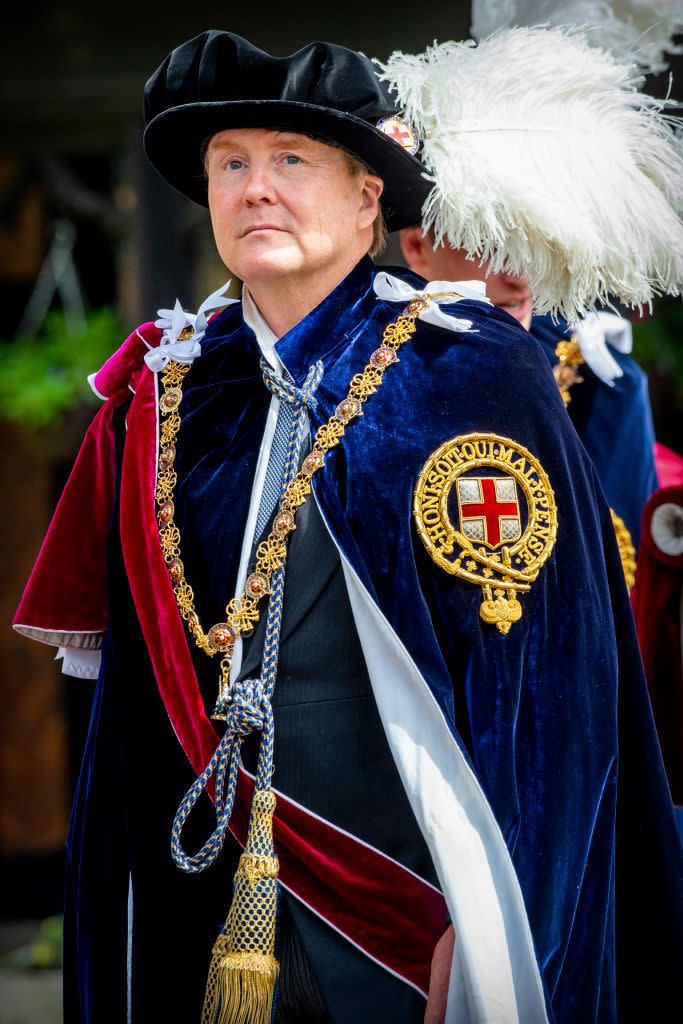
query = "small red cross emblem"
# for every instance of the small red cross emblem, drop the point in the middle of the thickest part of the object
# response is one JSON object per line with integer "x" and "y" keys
{"x": 489, "y": 509}
{"x": 400, "y": 132}
{"x": 397, "y": 134}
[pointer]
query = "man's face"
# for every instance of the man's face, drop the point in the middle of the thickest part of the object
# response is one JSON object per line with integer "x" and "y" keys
{"x": 445, "y": 264}
{"x": 283, "y": 204}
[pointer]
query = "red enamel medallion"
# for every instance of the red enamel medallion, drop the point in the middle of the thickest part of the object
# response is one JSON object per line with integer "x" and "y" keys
{"x": 256, "y": 585}
{"x": 165, "y": 513}
{"x": 221, "y": 636}
{"x": 313, "y": 461}
{"x": 382, "y": 357}
{"x": 283, "y": 523}
{"x": 176, "y": 570}
{"x": 167, "y": 456}
{"x": 347, "y": 409}
{"x": 170, "y": 400}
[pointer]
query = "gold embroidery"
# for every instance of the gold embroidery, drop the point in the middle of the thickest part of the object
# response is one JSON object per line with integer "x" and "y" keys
{"x": 627, "y": 550}
{"x": 242, "y": 613}
{"x": 490, "y": 547}
{"x": 566, "y": 370}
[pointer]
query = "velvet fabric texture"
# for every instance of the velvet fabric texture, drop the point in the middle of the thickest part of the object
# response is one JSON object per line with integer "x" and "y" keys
{"x": 218, "y": 80}
{"x": 554, "y": 717}
{"x": 66, "y": 594}
{"x": 347, "y": 883}
{"x": 149, "y": 915}
{"x": 365, "y": 896}
{"x": 669, "y": 466}
{"x": 123, "y": 369}
{"x": 535, "y": 709}
{"x": 657, "y": 606}
{"x": 615, "y": 425}
{"x": 127, "y": 907}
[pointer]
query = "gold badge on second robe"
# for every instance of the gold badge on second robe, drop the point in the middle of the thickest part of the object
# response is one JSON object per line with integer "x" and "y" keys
{"x": 485, "y": 511}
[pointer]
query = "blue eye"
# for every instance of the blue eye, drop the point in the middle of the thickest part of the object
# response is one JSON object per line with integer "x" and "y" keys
{"x": 234, "y": 165}
{"x": 292, "y": 159}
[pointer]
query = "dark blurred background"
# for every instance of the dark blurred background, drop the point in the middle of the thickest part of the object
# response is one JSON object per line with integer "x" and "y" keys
{"x": 92, "y": 242}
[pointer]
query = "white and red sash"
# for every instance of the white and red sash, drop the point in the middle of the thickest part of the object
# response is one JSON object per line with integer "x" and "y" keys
{"x": 383, "y": 908}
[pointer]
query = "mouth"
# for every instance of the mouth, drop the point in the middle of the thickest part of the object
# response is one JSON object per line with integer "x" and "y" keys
{"x": 258, "y": 228}
{"x": 518, "y": 309}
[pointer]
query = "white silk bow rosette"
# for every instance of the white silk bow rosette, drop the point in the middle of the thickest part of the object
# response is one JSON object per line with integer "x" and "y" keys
{"x": 174, "y": 321}
{"x": 595, "y": 333}
{"x": 392, "y": 289}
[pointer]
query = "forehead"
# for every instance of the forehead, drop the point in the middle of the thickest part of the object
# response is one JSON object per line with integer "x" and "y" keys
{"x": 258, "y": 138}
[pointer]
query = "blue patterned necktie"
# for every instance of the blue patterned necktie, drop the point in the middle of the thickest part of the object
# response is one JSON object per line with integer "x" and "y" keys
{"x": 293, "y": 401}
{"x": 272, "y": 485}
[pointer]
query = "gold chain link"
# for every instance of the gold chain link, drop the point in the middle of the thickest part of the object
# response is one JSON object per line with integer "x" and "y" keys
{"x": 243, "y": 613}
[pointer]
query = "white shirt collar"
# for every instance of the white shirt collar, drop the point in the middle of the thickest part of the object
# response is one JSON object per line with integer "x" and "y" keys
{"x": 265, "y": 337}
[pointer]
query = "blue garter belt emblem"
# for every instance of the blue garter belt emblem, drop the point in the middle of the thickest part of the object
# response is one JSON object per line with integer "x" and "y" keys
{"x": 485, "y": 511}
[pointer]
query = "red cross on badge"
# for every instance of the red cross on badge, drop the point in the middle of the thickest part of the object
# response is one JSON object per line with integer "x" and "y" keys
{"x": 489, "y": 510}
{"x": 400, "y": 131}
{"x": 489, "y": 515}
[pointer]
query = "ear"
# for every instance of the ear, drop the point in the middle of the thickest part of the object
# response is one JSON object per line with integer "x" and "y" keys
{"x": 370, "y": 196}
{"x": 413, "y": 245}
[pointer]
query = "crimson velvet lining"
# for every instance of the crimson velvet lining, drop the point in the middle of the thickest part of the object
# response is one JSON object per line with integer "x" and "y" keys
{"x": 366, "y": 896}
{"x": 67, "y": 590}
{"x": 656, "y": 601}
{"x": 554, "y": 717}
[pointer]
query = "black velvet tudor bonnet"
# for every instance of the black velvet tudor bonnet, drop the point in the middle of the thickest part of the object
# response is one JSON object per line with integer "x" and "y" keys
{"x": 219, "y": 80}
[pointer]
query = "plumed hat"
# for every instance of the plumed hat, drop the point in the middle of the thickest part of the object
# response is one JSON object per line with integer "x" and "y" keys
{"x": 218, "y": 80}
{"x": 641, "y": 31}
{"x": 546, "y": 160}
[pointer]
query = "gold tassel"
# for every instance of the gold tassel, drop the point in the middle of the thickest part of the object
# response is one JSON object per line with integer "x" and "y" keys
{"x": 243, "y": 972}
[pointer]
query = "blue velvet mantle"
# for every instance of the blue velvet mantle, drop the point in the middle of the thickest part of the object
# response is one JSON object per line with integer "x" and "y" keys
{"x": 615, "y": 425}
{"x": 554, "y": 717}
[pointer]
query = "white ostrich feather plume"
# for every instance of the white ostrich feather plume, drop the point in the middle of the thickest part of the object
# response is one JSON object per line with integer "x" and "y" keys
{"x": 547, "y": 162}
{"x": 631, "y": 30}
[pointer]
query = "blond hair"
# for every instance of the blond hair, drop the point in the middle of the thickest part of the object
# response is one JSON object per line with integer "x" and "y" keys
{"x": 379, "y": 227}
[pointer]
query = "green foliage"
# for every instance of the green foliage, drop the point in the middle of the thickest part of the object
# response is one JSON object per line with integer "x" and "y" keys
{"x": 44, "y": 952}
{"x": 658, "y": 342}
{"x": 43, "y": 377}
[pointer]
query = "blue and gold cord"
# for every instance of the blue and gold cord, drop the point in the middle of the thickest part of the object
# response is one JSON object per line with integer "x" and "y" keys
{"x": 243, "y": 972}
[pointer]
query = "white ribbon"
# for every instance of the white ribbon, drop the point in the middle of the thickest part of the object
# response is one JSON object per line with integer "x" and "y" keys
{"x": 173, "y": 321}
{"x": 392, "y": 289}
{"x": 180, "y": 352}
{"x": 216, "y": 300}
{"x": 594, "y": 333}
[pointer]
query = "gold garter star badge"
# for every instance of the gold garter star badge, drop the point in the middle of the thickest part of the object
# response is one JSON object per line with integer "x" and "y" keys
{"x": 500, "y": 497}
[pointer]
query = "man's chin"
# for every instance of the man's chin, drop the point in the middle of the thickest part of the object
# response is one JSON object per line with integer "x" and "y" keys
{"x": 514, "y": 311}
{"x": 521, "y": 312}
{"x": 271, "y": 262}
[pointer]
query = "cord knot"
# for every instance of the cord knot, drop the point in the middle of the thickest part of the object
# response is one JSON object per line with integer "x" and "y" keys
{"x": 288, "y": 392}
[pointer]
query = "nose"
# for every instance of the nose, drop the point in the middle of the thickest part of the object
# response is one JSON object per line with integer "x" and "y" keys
{"x": 258, "y": 187}
{"x": 518, "y": 282}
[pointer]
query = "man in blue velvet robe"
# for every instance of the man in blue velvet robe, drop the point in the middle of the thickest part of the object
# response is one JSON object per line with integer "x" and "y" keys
{"x": 604, "y": 389}
{"x": 459, "y": 697}
{"x": 610, "y": 409}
